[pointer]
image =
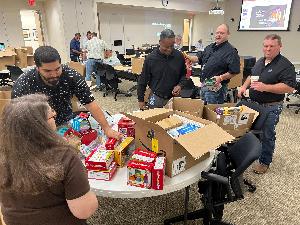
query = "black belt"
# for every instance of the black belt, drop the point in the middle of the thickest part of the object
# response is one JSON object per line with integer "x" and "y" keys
{"x": 94, "y": 58}
{"x": 269, "y": 103}
{"x": 163, "y": 96}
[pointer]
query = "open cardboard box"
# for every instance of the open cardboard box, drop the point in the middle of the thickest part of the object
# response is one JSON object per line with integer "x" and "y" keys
{"x": 237, "y": 124}
{"x": 78, "y": 66}
{"x": 5, "y": 96}
{"x": 184, "y": 151}
{"x": 188, "y": 105}
{"x": 7, "y": 57}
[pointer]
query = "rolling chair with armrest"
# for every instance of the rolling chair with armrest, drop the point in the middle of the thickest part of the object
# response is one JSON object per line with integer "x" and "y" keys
{"x": 124, "y": 62}
{"x": 296, "y": 94}
{"x": 108, "y": 77}
{"x": 223, "y": 183}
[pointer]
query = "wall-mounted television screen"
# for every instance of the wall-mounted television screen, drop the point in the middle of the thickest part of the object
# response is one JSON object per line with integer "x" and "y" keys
{"x": 265, "y": 15}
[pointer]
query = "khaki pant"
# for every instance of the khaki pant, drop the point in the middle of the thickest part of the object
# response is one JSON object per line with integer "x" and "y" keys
{"x": 1, "y": 218}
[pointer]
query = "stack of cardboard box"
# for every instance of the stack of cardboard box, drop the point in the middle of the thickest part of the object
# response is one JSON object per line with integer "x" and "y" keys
{"x": 7, "y": 57}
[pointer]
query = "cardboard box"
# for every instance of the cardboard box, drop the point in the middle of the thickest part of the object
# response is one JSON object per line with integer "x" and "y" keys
{"x": 237, "y": 124}
{"x": 188, "y": 105}
{"x": 169, "y": 123}
{"x": 30, "y": 60}
{"x": 7, "y": 57}
{"x": 137, "y": 65}
{"x": 182, "y": 152}
{"x": 5, "y": 97}
{"x": 29, "y": 50}
{"x": 21, "y": 57}
{"x": 78, "y": 66}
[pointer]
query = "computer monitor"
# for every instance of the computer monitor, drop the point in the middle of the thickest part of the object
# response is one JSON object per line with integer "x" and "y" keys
{"x": 130, "y": 52}
{"x": 117, "y": 42}
{"x": 2, "y": 46}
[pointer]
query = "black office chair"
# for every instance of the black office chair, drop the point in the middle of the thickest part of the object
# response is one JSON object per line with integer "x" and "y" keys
{"x": 258, "y": 124}
{"x": 123, "y": 61}
{"x": 223, "y": 184}
{"x": 14, "y": 71}
{"x": 296, "y": 94}
{"x": 108, "y": 77}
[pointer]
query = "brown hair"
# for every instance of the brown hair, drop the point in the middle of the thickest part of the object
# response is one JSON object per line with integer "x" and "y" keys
{"x": 274, "y": 37}
{"x": 30, "y": 151}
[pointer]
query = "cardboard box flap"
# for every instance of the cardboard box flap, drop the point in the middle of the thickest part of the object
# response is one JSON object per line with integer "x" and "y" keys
{"x": 7, "y": 53}
{"x": 249, "y": 110}
{"x": 186, "y": 105}
{"x": 208, "y": 138}
{"x": 149, "y": 113}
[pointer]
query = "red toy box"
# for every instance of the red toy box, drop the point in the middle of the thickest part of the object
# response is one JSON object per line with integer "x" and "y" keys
{"x": 99, "y": 159}
{"x": 158, "y": 173}
{"x": 105, "y": 174}
{"x": 126, "y": 127}
{"x": 139, "y": 174}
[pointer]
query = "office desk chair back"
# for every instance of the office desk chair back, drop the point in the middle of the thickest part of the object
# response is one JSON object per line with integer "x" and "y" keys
{"x": 223, "y": 183}
{"x": 257, "y": 126}
{"x": 14, "y": 71}
{"x": 295, "y": 94}
{"x": 109, "y": 78}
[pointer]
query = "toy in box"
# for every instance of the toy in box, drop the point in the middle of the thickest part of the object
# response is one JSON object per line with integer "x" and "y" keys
{"x": 81, "y": 122}
{"x": 99, "y": 159}
{"x": 158, "y": 173}
{"x": 122, "y": 151}
{"x": 139, "y": 174}
{"x": 126, "y": 127}
{"x": 104, "y": 174}
{"x": 143, "y": 155}
{"x": 88, "y": 136}
{"x": 111, "y": 143}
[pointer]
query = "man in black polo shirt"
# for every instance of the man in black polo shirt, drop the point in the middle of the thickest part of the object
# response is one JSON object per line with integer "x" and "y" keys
{"x": 59, "y": 83}
{"x": 164, "y": 71}
{"x": 276, "y": 76}
{"x": 220, "y": 61}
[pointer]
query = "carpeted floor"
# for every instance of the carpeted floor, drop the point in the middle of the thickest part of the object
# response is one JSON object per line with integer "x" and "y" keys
{"x": 276, "y": 201}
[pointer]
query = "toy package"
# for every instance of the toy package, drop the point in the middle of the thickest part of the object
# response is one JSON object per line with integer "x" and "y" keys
{"x": 158, "y": 173}
{"x": 143, "y": 155}
{"x": 99, "y": 160}
{"x": 111, "y": 143}
{"x": 139, "y": 174}
{"x": 210, "y": 83}
{"x": 126, "y": 127}
{"x": 229, "y": 110}
{"x": 123, "y": 150}
{"x": 81, "y": 123}
{"x": 103, "y": 174}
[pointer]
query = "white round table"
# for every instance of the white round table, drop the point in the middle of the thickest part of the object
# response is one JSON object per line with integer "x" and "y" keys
{"x": 118, "y": 188}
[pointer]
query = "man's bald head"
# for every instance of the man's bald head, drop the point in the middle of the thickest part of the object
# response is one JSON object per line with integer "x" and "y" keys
{"x": 222, "y": 34}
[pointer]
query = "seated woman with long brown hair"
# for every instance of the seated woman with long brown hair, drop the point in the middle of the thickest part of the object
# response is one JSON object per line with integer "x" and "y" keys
{"x": 42, "y": 180}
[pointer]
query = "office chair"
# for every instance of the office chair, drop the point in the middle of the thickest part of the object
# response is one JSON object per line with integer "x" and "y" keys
{"x": 123, "y": 61}
{"x": 14, "y": 71}
{"x": 258, "y": 124}
{"x": 296, "y": 94}
{"x": 222, "y": 184}
{"x": 109, "y": 79}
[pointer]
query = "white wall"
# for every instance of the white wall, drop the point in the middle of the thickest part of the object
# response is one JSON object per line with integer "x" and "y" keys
{"x": 182, "y": 5}
{"x": 136, "y": 23}
{"x": 28, "y": 22}
{"x": 10, "y": 21}
{"x": 250, "y": 42}
{"x": 204, "y": 27}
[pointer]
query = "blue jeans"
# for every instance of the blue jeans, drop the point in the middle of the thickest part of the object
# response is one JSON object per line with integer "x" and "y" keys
{"x": 212, "y": 97}
{"x": 90, "y": 68}
{"x": 269, "y": 133}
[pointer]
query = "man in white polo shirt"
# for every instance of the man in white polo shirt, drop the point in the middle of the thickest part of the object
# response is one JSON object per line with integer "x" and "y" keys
{"x": 95, "y": 48}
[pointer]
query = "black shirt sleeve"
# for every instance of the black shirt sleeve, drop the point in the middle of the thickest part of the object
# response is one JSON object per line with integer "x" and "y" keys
{"x": 143, "y": 81}
{"x": 233, "y": 61}
{"x": 199, "y": 56}
{"x": 182, "y": 74}
{"x": 288, "y": 76}
{"x": 81, "y": 89}
{"x": 20, "y": 87}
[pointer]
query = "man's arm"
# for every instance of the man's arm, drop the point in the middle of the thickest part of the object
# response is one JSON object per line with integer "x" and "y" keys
{"x": 142, "y": 84}
{"x": 244, "y": 87}
{"x": 73, "y": 48}
{"x": 279, "y": 88}
{"x": 98, "y": 115}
